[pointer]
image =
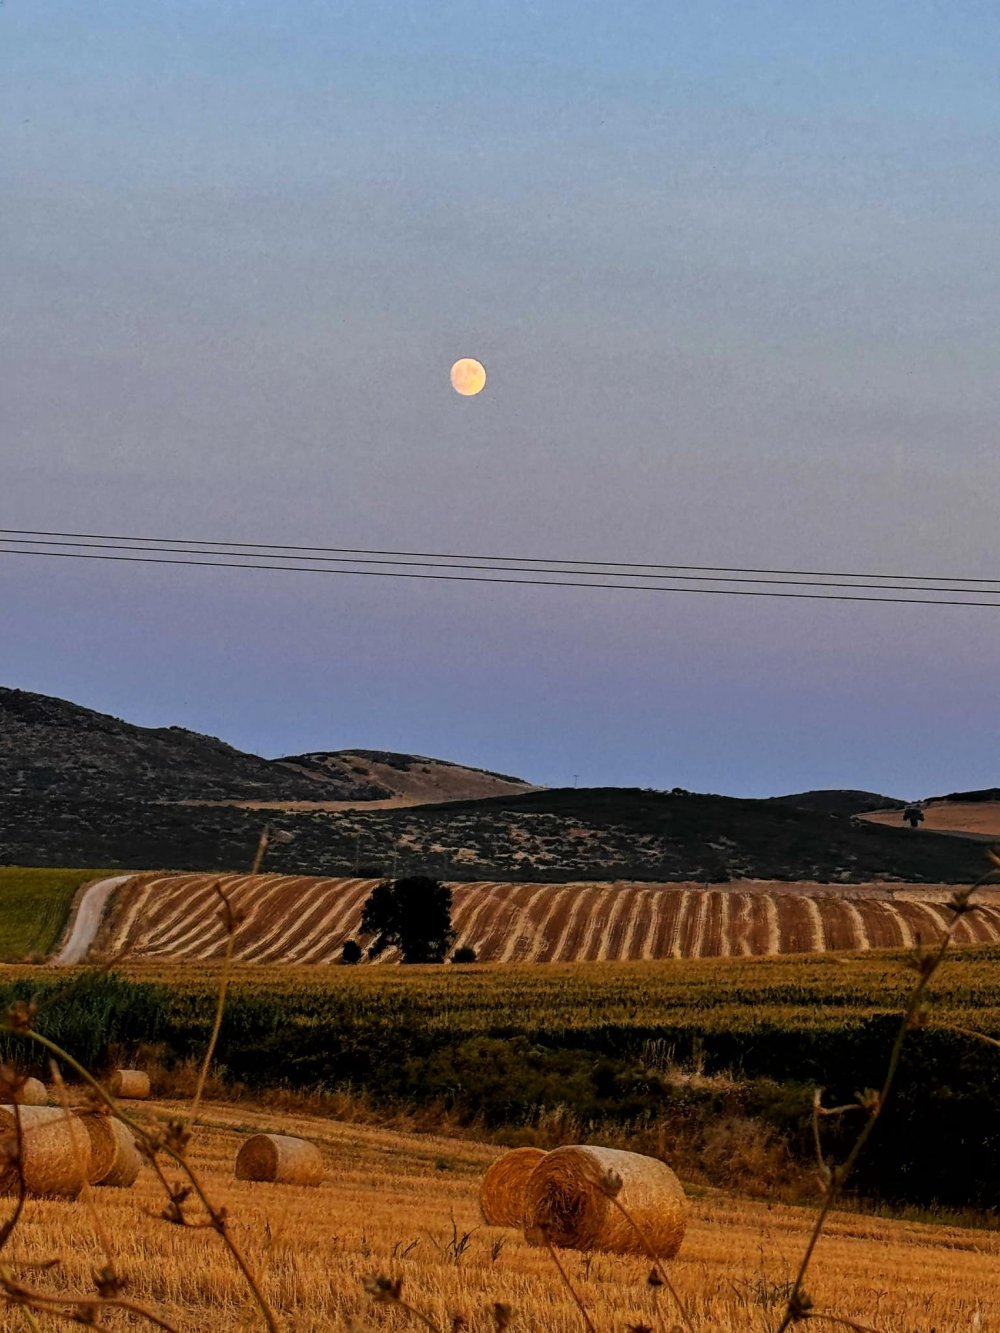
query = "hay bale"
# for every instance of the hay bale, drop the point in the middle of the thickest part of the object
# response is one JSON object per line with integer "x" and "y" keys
{"x": 114, "y": 1155}
{"x": 102, "y": 1142}
{"x": 32, "y": 1092}
{"x": 565, "y": 1202}
{"x": 131, "y": 1084}
{"x": 55, "y": 1151}
{"x": 501, "y": 1191}
{"x": 279, "y": 1158}
{"x": 113, "y": 1146}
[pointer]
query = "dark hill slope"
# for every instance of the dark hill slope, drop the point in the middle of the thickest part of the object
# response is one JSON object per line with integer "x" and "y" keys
{"x": 604, "y": 833}
{"x": 53, "y": 749}
{"x": 983, "y": 794}
{"x": 838, "y": 801}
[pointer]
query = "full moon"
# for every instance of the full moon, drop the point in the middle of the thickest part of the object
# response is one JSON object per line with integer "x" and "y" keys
{"x": 468, "y": 376}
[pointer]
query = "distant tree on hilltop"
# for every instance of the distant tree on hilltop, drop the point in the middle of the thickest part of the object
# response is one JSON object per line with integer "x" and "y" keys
{"x": 414, "y": 914}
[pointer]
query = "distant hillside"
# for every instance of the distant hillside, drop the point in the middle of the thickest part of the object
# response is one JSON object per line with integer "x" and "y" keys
{"x": 550, "y": 836}
{"x": 967, "y": 797}
{"x": 411, "y": 778}
{"x": 51, "y": 749}
{"x": 838, "y": 801}
{"x": 82, "y": 788}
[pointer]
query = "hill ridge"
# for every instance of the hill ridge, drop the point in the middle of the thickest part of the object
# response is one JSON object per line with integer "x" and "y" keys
{"x": 52, "y": 747}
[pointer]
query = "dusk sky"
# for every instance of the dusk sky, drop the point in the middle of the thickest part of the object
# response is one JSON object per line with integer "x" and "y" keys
{"x": 733, "y": 270}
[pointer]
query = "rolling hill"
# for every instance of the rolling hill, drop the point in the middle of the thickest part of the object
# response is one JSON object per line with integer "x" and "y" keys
{"x": 406, "y": 779}
{"x": 79, "y": 787}
{"x": 839, "y": 801}
{"x": 51, "y": 749}
{"x": 545, "y": 836}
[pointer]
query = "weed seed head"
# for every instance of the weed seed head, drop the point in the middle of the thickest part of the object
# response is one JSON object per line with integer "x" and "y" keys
{"x": 21, "y": 1014}
{"x": 384, "y": 1289}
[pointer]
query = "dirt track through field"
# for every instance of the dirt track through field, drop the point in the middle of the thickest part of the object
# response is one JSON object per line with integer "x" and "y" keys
{"x": 87, "y": 921}
{"x": 287, "y": 918}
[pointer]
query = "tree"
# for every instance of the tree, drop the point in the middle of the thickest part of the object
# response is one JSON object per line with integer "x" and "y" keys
{"x": 412, "y": 913}
{"x": 351, "y": 952}
{"x": 464, "y": 955}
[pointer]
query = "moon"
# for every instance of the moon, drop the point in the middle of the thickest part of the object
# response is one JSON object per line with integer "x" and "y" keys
{"x": 468, "y": 376}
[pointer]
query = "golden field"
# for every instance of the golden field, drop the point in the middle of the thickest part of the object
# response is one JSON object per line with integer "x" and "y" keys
{"x": 982, "y": 817}
{"x": 388, "y": 1206}
{"x": 306, "y": 920}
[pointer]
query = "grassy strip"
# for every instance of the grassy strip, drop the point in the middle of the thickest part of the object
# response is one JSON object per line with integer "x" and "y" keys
{"x": 34, "y": 906}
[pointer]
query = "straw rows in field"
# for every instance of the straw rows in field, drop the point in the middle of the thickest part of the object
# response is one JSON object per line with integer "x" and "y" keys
{"x": 290, "y": 919}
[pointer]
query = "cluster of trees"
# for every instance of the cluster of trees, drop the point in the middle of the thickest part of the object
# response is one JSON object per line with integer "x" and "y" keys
{"x": 412, "y": 915}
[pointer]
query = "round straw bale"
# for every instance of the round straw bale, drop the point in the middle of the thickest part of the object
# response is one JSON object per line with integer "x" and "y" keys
{"x": 125, "y": 1159}
{"x": 279, "y": 1158}
{"x": 568, "y": 1200}
{"x": 102, "y": 1143}
{"x": 33, "y": 1092}
{"x": 132, "y": 1084}
{"x": 55, "y": 1151}
{"x": 501, "y": 1190}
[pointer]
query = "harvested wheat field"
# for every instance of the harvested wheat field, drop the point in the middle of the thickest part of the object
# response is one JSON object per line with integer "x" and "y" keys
{"x": 298, "y": 919}
{"x": 980, "y": 817}
{"x": 401, "y": 1205}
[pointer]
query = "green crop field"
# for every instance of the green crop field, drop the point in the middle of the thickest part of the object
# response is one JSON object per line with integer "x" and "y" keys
{"x": 586, "y": 1001}
{"x": 34, "y": 905}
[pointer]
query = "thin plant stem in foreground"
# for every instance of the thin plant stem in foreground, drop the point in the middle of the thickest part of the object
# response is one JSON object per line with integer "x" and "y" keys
{"x": 799, "y": 1307}
{"x": 217, "y": 1218}
{"x": 658, "y": 1266}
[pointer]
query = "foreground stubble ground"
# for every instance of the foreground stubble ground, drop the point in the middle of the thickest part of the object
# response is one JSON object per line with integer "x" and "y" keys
{"x": 388, "y": 1206}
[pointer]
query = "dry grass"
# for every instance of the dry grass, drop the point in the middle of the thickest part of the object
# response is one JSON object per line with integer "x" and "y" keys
{"x": 401, "y": 1204}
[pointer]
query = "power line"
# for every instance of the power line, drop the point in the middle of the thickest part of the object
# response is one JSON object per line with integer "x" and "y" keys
{"x": 434, "y": 562}
{"x": 607, "y": 565}
{"x": 213, "y": 563}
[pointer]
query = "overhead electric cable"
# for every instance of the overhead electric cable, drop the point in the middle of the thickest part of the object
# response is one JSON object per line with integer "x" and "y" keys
{"x": 434, "y": 562}
{"x": 454, "y": 555}
{"x": 213, "y": 563}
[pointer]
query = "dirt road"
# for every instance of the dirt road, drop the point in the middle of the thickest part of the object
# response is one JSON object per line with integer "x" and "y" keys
{"x": 88, "y": 920}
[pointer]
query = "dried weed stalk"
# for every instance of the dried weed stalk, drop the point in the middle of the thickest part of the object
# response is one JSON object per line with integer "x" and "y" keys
{"x": 154, "y": 1141}
{"x": 925, "y": 962}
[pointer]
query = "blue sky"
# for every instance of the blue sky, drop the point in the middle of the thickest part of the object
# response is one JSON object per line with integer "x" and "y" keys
{"x": 734, "y": 272}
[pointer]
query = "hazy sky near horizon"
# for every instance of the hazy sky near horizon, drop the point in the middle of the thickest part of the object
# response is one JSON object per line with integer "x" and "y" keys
{"x": 734, "y": 271}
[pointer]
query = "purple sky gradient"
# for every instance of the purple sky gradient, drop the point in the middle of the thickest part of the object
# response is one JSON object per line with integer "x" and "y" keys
{"x": 733, "y": 270}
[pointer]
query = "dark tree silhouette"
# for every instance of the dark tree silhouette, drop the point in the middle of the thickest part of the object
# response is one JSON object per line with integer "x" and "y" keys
{"x": 464, "y": 955}
{"x": 414, "y": 914}
{"x": 352, "y": 952}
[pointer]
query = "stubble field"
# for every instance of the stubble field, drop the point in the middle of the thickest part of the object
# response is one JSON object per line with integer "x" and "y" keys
{"x": 392, "y": 1204}
{"x": 301, "y": 919}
